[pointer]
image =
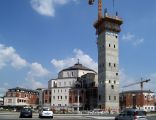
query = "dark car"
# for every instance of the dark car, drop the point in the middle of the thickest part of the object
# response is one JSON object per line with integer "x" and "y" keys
{"x": 26, "y": 113}
{"x": 132, "y": 114}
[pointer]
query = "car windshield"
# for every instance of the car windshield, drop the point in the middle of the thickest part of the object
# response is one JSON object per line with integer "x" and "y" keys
{"x": 137, "y": 113}
{"x": 46, "y": 109}
{"x": 26, "y": 110}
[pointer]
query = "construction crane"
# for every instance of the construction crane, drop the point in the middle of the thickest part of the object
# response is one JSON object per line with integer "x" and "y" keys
{"x": 91, "y": 2}
{"x": 140, "y": 82}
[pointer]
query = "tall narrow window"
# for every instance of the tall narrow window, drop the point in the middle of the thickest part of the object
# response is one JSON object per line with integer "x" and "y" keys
{"x": 112, "y": 86}
{"x": 109, "y": 64}
{"x": 114, "y": 82}
{"x": 114, "y": 97}
{"x": 109, "y": 97}
{"x": 114, "y": 46}
{"x": 109, "y": 45}
{"x": 109, "y": 81}
{"x": 114, "y": 65}
{"x": 72, "y": 74}
{"x": 99, "y": 97}
{"x": 66, "y": 97}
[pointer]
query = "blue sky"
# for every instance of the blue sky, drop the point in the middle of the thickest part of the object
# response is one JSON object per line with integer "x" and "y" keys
{"x": 38, "y": 38}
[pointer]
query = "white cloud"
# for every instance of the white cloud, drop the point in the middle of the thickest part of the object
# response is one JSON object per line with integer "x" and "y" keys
{"x": 129, "y": 37}
{"x": 85, "y": 59}
{"x": 37, "y": 70}
{"x": 8, "y": 55}
{"x": 32, "y": 83}
{"x": 47, "y": 7}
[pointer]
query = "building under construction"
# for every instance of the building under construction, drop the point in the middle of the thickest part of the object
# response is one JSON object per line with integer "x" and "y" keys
{"x": 140, "y": 99}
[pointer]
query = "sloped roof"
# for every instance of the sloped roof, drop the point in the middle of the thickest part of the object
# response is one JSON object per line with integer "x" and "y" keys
{"x": 23, "y": 89}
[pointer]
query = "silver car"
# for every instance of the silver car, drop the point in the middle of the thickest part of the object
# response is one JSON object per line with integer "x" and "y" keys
{"x": 131, "y": 114}
{"x": 46, "y": 112}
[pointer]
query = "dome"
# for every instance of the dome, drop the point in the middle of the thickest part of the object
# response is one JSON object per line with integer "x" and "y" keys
{"x": 78, "y": 66}
{"x": 75, "y": 71}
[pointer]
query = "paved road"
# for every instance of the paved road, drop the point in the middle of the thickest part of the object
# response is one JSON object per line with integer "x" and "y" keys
{"x": 15, "y": 116}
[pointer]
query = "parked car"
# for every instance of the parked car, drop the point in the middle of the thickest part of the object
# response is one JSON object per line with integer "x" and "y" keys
{"x": 97, "y": 112}
{"x": 46, "y": 112}
{"x": 132, "y": 114}
{"x": 26, "y": 112}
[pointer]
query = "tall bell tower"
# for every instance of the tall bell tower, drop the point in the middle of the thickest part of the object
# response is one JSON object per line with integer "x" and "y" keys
{"x": 107, "y": 29}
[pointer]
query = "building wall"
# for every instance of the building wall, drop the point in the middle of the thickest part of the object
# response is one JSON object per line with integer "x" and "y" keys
{"x": 15, "y": 101}
{"x": 108, "y": 70}
{"x": 139, "y": 100}
{"x": 77, "y": 98}
{"x": 59, "y": 83}
{"x": 64, "y": 88}
{"x": 1, "y": 101}
{"x": 60, "y": 97}
{"x": 40, "y": 96}
{"x": 60, "y": 91}
{"x": 15, "y": 97}
{"x": 47, "y": 97}
{"x": 73, "y": 73}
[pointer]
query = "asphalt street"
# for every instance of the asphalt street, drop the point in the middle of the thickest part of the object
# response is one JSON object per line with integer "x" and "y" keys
{"x": 15, "y": 116}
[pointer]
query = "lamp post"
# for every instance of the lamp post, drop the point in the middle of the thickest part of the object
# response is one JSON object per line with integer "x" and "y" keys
{"x": 78, "y": 102}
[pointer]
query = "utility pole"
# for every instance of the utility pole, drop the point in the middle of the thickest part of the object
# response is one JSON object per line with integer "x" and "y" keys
{"x": 78, "y": 102}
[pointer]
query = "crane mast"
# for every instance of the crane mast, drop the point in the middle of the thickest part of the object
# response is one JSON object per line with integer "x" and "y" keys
{"x": 91, "y": 2}
{"x": 99, "y": 9}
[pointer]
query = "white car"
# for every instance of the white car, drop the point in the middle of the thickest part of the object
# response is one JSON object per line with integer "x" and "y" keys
{"x": 96, "y": 112}
{"x": 45, "y": 112}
